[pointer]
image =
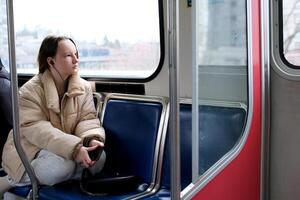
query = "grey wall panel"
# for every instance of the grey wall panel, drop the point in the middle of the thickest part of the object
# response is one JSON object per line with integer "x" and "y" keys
{"x": 284, "y": 139}
{"x": 223, "y": 83}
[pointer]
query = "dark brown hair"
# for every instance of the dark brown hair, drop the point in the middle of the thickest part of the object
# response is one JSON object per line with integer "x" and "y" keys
{"x": 48, "y": 49}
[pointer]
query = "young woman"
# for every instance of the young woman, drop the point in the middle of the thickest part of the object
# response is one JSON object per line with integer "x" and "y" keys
{"x": 58, "y": 122}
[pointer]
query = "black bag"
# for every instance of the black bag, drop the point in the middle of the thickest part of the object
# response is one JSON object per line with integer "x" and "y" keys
{"x": 99, "y": 185}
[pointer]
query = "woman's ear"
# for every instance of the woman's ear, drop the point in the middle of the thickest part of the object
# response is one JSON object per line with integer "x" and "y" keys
{"x": 50, "y": 61}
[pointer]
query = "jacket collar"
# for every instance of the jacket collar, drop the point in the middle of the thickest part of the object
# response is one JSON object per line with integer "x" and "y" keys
{"x": 75, "y": 88}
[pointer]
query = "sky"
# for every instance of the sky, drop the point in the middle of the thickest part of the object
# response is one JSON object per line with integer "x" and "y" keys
{"x": 91, "y": 19}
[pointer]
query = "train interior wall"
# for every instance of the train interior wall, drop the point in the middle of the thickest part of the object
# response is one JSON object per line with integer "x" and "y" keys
{"x": 284, "y": 138}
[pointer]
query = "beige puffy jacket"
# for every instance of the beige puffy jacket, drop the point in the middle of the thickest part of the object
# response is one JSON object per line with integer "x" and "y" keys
{"x": 46, "y": 123}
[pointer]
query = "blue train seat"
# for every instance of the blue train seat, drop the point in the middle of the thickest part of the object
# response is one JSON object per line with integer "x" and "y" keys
{"x": 134, "y": 126}
{"x": 220, "y": 129}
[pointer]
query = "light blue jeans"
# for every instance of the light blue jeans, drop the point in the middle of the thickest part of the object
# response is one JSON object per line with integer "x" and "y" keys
{"x": 51, "y": 169}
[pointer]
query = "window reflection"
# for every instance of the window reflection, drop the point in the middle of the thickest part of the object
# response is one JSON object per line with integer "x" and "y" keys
{"x": 222, "y": 32}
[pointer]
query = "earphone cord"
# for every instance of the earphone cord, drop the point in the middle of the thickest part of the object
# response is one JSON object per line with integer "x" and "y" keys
{"x": 58, "y": 73}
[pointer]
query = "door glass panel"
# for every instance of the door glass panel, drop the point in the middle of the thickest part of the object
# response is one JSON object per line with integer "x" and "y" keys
{"x": 219, "y": 79}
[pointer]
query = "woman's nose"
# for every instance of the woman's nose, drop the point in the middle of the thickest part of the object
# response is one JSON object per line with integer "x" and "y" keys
{"x": 75, "y": 59}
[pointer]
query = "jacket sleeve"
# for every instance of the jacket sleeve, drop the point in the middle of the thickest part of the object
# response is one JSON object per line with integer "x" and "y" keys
{"x": 89, "y": 124}
{"x": 38, "y": 130}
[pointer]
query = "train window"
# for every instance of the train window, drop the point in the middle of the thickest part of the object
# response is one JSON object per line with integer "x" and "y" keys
{"x": 221, "y": 90}
{"x": 3, "y": 34}
{"x": 222, "y": 35}
{"x": 291, "y": 32}
{"x": 222, "y": 50}
{"x": 115, "y": 38}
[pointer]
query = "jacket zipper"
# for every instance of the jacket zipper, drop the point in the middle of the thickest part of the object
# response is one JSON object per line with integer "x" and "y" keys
{"x": 61, "y": 112}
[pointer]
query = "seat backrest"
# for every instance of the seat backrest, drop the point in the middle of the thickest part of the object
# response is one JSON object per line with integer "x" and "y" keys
{"x": 98, "y": 102}
{"x": 185, "y": 117}
{"x": 133, "y": 126}
{"x": 6, "y": 120}
{"x": 220, "y": 128}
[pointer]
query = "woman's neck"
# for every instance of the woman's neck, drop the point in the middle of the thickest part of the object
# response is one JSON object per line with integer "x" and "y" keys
{"x": 61, "y": 83}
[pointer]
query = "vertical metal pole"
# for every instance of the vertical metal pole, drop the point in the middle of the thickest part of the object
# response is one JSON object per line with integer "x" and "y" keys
{"x": 14, "y": 93}
{"x": 265, "y": 71}
{"x": 174, "y": 100}
{"x": 195, "y": 85}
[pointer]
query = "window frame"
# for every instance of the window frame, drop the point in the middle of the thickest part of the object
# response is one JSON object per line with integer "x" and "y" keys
{"x": 277, "y": 59}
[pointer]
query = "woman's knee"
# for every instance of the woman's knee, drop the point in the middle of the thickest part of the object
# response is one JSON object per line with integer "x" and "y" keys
{"x": 51, "y": 169}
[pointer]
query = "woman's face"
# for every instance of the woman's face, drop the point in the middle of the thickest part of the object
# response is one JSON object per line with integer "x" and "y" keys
{"x": 66, "y": 58}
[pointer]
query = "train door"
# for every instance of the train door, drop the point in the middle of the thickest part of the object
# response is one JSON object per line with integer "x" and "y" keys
{"x": 226, "y": 72}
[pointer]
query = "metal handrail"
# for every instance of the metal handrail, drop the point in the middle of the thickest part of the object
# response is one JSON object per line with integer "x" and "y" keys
{"x": 15, "y": 100}
{"x": 173, "y": 42}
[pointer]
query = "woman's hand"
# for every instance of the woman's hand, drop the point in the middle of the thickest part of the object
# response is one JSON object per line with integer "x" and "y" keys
{"x": 82, "y": 156}
{"x": 96, "y": 143}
